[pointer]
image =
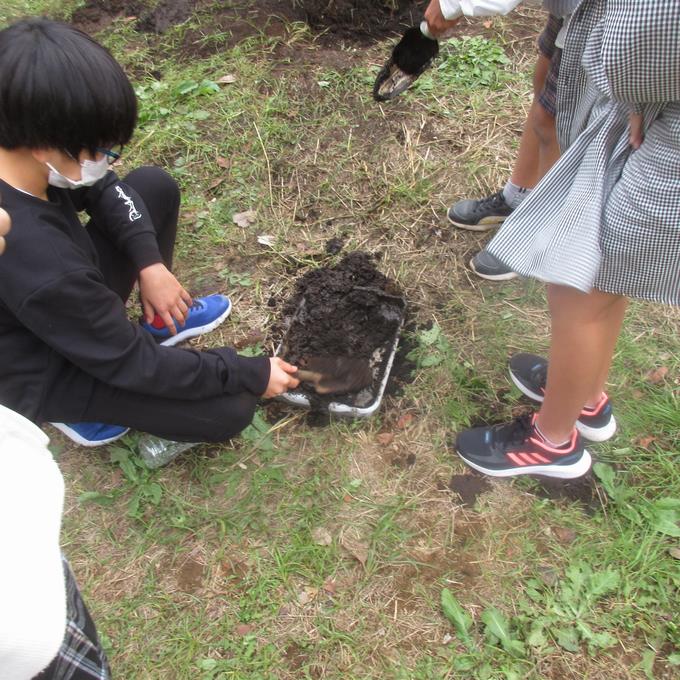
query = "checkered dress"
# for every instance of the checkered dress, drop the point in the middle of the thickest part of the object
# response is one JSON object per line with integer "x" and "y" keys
{"x": 80, "y": 656}
{"x": 607, "y": 217}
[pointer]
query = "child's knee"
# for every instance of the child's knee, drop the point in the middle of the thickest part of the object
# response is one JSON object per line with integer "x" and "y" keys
{"x": 152, "y": 179}
{"x": 233, "y": 416}
{"x": 543, "y": 124}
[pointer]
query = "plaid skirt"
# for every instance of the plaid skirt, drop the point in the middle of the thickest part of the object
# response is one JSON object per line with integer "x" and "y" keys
{"x": 605, "y": 216}
{"x": 80, "y": 656}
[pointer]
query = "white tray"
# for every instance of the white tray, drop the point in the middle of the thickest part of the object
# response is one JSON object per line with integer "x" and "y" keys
{"x": 372, "y": 400}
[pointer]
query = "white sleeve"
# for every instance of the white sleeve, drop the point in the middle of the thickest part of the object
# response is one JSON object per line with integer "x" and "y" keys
{"x": 32, "y": 589}
{"x": 452, "y": 9}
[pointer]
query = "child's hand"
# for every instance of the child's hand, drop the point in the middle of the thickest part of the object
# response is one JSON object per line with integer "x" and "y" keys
{"x": 636, "y": 136}
{"x": 438, "y": 26}
{"x": 280, "y": 378}
{"x": 161, "y": 293}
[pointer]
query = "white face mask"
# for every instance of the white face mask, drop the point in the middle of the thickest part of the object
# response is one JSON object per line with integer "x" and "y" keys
{"x": 90, "y": 173}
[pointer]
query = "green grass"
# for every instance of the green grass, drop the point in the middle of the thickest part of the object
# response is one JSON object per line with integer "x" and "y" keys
{"x": 308, "y": 552}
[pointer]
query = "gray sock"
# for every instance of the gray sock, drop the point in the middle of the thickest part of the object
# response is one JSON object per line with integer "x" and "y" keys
{"x": 514, "y": 195}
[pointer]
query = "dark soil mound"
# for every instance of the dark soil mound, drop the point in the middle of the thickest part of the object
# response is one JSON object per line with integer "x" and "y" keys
{"x": 338, "y": 311}
{"x": 350, "y": 310}
{"x": 352, "y": 19}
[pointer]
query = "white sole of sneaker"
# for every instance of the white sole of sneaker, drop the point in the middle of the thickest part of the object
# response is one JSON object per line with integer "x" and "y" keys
{"x": 524, "y": 389}
{"x": 573, "y": 471}
{"x": 597, "y": 434}
{"x": 592, "y": 434}
{"x": 75, "y": 437}
{"x": 199, "y": 330}
{"x": 493, "y": 277}
{"x": 485, "y": 224}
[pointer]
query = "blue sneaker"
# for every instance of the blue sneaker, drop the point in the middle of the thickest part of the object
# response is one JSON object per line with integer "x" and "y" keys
{"x": 91, "y": 434}
{"x": 205, "y": 314}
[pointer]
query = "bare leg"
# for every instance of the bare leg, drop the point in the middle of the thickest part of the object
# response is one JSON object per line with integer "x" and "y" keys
{"x": 544, "y": 130}
{"x": 584, "y": 332}
{"x": 525, "y": 172}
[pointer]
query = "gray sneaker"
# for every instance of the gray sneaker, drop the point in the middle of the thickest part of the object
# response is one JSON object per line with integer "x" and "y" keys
{"x": 480, "y": 215}
{"x": 487, "y": 266}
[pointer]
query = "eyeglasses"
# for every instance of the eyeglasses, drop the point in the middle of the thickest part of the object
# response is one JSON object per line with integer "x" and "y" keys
{"x": 111, "y": 155}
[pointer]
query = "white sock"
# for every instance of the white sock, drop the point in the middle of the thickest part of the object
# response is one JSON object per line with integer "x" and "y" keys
{"x": 548, "y": 441}
{"x": 514, "y": 195}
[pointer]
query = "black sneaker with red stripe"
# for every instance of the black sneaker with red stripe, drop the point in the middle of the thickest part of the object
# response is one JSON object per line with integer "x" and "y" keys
{"x": 518, "y": 448}
{"x": 529, "y": 373}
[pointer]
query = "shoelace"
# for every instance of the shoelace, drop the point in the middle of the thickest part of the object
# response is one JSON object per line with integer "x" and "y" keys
{"x": 497, "y": 200}
{"x": 196, "y": 305}
{"x": 518, "y": 430}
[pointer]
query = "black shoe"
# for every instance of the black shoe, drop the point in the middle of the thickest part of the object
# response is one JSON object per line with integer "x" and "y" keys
{"x": 517, "y": 448}
{"x": 529, "y": 373}
{"x": 481, "y": 215}
{"x": 487, "y": 266}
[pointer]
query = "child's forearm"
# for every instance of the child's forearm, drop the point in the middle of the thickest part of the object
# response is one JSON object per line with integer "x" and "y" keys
{"x": 453, "y": 9}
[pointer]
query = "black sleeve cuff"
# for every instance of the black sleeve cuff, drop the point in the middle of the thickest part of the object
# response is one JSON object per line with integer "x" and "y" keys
{"x": 254, "y": 373}
{"x": 143, "y": 250}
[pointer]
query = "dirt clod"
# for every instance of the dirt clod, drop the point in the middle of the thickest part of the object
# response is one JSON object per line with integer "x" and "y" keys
{"x": 468, "y": 488}
{"x": 334, "y": 245}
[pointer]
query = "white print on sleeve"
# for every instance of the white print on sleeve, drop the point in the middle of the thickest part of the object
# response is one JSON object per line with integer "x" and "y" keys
{"x": 134, "y": 214}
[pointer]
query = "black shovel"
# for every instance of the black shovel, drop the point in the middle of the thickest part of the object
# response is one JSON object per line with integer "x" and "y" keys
{"x": 336, "y": 375}
{"x": 411, "y": 56}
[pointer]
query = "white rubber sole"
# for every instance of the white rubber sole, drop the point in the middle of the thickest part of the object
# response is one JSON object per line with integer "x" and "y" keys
{"x": 599, "y": 434}
{"x": 74, "y": 436}
{"x": 198, "y": 330}
{"x": 573, "y": 471}
{"x": 593, "y": 434}
{"x": 485, "y": 224}
{"x": 493, "y": 277}
{"x": 524, "y": 389}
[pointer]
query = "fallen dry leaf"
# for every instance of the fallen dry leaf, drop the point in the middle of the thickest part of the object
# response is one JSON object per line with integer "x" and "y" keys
{"x": 306, "y": 596}
{"x": 644, "y": 442}
{"x": 564, "y": 534}
{"x": 357, "y": 548}
{"x": 265, "y": 240}
{"x": 223, "y": 162}
{"x": 244, "y": 629}
{"x": 674, "y": 552}
{"x": 245, "y": 219}
{"x": 330, "y": 586}
{"x": 487, "y": 24}
{"x": 404, "y": 421}
{"x": 227, "y": 79}
{"x": 216, "y": 183}
{"x": 321, "y": 536}
{"x": 658, "y": 375}
{"x": 385, "y": 438}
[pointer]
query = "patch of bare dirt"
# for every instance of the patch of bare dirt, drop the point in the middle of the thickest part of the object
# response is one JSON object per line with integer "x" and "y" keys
{"x": 354, "y": 20}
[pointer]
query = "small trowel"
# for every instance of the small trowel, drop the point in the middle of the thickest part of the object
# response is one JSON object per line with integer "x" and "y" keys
{"x": 411, "y": 56}
{"x": 336, "y": 375}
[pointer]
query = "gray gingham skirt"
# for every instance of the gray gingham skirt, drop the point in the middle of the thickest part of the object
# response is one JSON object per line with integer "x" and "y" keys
{"x": 606, "y": 217}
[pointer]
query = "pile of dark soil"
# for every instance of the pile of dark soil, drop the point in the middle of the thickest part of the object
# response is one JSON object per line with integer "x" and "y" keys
{"x": 351, "y": 19}
{"x": 350, "y": 310}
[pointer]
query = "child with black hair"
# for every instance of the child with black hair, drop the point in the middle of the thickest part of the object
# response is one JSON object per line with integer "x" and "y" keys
{"x": 69, "y": 352}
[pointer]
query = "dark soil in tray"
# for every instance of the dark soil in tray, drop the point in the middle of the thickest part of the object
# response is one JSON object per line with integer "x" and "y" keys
{"x": 347, "y": 310}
